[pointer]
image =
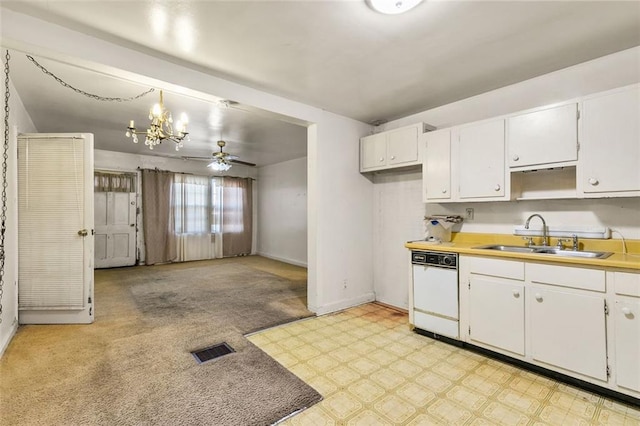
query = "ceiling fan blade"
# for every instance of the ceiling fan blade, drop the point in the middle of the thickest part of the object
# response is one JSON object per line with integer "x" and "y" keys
{"x": 196, "y": 158}
{"x": 244, "y": 163}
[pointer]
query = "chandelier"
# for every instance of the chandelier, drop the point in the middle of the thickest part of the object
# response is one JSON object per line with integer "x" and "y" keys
{"x": 161, "y": 127}
{"x": 219, "y": 164}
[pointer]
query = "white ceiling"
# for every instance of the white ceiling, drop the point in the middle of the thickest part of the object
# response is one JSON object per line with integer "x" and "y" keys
{"x": 335, "y": 55}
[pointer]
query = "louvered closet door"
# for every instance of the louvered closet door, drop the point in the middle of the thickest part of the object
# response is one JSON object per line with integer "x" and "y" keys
{"x": 55, "y": 222}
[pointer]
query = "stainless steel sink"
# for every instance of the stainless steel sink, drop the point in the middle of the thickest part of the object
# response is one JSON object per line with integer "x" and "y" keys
{"x": 515, "y": 249}
{"x": 572, "y": 253}
{"x": 547, "y": 250}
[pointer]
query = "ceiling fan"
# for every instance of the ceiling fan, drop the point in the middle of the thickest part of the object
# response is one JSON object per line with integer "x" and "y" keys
{"x": 221, "y": 160}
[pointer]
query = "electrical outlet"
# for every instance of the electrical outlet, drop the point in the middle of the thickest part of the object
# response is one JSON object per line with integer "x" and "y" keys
{"x": 469, "y": 214}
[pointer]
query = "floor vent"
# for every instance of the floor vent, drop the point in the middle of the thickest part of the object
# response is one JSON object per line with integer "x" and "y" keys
{"x": 212, "y": 352}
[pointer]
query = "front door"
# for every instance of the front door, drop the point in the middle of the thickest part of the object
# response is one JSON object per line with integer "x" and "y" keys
{"x": 115, "y": 222}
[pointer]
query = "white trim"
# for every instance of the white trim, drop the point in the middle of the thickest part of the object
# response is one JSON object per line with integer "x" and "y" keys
{"x": 283, "y": 259}
{"x": 345, "y": 304}
{"x": 5, "y": 344}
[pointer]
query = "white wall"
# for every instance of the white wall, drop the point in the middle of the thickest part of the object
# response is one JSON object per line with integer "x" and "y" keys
{"x": 282, "y": 211}
{"x": 340, "y": 199}
{"x": 398, "y": 218}
{"x": 340, "y": 217}
{"x": 19, "y": 122}
{"x": 395, "y": 195}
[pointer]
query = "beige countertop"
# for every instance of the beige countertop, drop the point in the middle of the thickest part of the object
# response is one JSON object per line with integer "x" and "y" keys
{"x": 464, "y": 243}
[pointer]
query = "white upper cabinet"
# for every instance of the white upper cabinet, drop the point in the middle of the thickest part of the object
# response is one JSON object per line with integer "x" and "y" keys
{"x": 437, "y": 166}
{"x": 402, "y": 145}
{"x": 610, "y": 144}
{"x": 544, "y": 137}
{"x": 390, "y": 149}
{"x": 373, "y": 152}
{"x": 481, "y": 165}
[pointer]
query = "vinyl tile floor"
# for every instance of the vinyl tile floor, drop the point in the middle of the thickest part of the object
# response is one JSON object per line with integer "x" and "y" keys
{"x": 372, "y": 370}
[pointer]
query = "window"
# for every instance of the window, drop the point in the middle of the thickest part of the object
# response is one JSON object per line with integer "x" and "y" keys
{"x": 191, "y": 204}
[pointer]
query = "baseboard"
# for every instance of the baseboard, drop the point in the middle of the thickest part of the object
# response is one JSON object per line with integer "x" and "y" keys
{"x": 345, "y": 304}
{"x": 283, "y": 259}
{"x": 395, "y": 308}
{"x": 80, "y": 316}
{"x": 5, "y": 343}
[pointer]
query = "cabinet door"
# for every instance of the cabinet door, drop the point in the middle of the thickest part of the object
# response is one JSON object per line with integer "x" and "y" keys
{"x": 568, "y": 330}
{"x": 627, "y": 337}
{"x": 496, "y": 313}
{"x": 482, "y": 165}
{"x": 373, "y": 151}
{"x": 402, "y": 146}
{"x": 437, "y": 165}
{"x": 543, "y": 137}
{"x": 610, "y": 143}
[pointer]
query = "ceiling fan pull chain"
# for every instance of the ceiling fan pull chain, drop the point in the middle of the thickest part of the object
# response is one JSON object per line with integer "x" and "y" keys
{"x": 82, "y": 92}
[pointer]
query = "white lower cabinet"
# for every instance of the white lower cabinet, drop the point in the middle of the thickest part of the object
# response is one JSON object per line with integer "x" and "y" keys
{"x": 626, "y": 314}
{"x": 579, "y": 321}
{"x": 496, "y": 313}
{"x": 626, "y": 318}
{"x": 568, "y": 330}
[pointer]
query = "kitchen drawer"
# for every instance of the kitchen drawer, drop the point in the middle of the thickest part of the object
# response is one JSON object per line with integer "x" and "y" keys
{"x": 626, "y": 283}
{"x": 566, "y": 276}
{"x": 496, "y": 267}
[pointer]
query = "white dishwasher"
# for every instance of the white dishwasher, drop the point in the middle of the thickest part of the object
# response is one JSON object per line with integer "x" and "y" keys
{"x": 435, "y": 293}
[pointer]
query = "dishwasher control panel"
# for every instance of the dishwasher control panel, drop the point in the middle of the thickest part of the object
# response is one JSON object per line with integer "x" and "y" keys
{"x": 434, "y": 258}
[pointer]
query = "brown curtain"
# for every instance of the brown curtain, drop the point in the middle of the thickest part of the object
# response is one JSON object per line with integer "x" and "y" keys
{"x": 237, "y": 216}
{"x": 157, "y": 217}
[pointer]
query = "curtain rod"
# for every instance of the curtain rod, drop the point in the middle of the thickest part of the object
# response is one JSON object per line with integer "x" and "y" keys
{"x": 193, "y": 174}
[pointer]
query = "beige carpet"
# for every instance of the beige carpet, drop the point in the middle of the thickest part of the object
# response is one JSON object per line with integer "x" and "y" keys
{"x": 133, "y": 366}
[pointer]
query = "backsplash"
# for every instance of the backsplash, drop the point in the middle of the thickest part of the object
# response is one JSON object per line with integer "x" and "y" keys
{"x": 620, "y": 214}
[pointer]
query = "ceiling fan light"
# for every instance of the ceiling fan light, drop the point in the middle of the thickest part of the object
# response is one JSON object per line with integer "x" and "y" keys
{"x": 392, "y": 7}
{"x": 219, "y": 166}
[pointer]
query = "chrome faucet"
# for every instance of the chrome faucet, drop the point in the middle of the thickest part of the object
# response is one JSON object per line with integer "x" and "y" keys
{"x": 545, "y": 241}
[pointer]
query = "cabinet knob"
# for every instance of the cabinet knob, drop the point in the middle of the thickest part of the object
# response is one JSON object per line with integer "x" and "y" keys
{"x": 516, "y": 293}
{"x": 626, "y": 311}
{"x": 497, "y": 188}
{"x": 538, "y": 297}
{"x": 444, "y": 191}
{"x": 381, "y": 159}
{"x": 393, "y": 157}
{"x": 593, "y": 181}
{"x": 516, "y": 158}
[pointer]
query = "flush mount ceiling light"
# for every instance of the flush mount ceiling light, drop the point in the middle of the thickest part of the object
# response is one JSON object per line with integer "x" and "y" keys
{"x": 161, "y": 127}
{"x": 392, "y": 7}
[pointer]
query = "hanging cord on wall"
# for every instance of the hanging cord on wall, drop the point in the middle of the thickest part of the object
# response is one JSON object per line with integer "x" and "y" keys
{"x": 624, "y": 244}
{"x": 5, "y": 183}
{"x": 82, "y": 92}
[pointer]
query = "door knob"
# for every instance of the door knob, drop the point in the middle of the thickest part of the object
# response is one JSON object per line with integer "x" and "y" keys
{"x": 593, "y": 181}
{"x": 516, "y": 293}
{"x": 393, "y": 157}
{"x": 497, "y": 188}
{"x": 444, "y": 191}
{"x": 538, "y": 297}
{"x": 83, "y": 232}
{"x": 626, "y": 310}
{"x": 516, "y": 158}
